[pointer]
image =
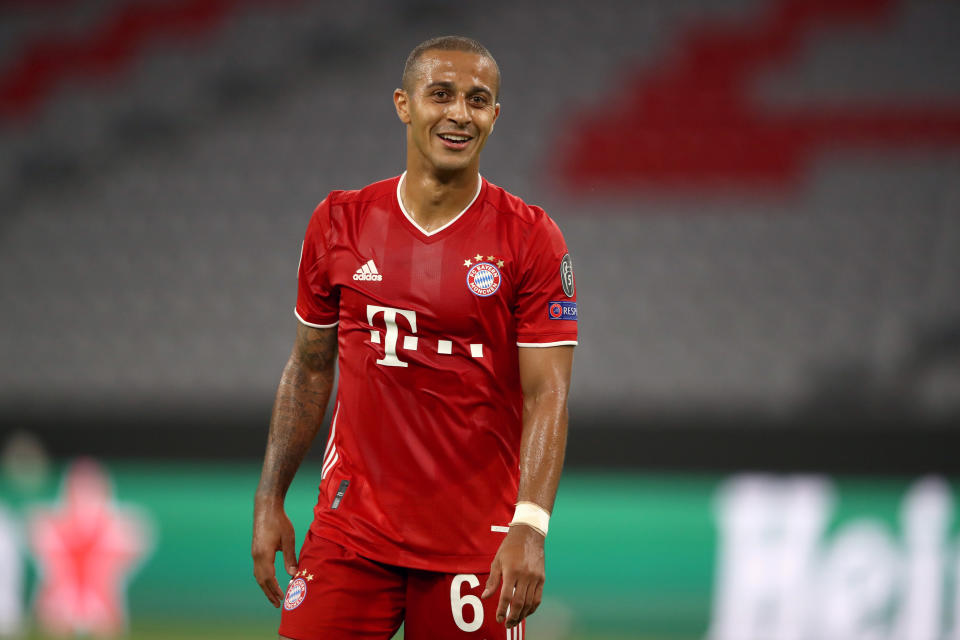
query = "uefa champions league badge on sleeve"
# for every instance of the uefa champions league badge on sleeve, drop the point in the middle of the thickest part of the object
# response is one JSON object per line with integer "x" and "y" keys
{"x": 562, "y": 310}
{"x": 566, "y": 276}
{"x": 297, "y": 590}
{"x": 483, "y": 277}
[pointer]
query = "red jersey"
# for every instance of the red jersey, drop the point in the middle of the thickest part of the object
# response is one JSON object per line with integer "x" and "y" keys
{"x": 422, "y": 464}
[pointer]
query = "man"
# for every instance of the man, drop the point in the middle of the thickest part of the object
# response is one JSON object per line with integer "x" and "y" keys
{"x": 453, "y": 307}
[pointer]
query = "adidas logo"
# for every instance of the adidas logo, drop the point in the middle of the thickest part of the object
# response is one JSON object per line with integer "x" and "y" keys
{"x": 368, "y": 272}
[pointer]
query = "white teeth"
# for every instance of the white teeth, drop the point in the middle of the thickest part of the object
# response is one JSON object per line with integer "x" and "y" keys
{"x": 453, "y": 138}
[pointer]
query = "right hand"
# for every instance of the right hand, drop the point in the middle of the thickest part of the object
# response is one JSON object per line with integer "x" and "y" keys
{"x": 272, "y": 532}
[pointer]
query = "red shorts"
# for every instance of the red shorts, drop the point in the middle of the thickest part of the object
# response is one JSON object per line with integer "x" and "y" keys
{"x": 339, "y": 594}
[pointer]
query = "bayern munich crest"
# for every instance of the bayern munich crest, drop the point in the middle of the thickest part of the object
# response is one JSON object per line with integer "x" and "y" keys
{"x": 483, "y": 279}
{"x": 296, "y": 592}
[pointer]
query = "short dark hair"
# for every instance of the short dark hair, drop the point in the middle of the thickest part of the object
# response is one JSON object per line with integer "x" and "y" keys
{"x": 445, "y": 43}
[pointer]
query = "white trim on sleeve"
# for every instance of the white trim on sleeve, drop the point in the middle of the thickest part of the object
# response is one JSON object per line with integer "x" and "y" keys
{"x": 548, "y": 344}
{"x": 315, "y": 326}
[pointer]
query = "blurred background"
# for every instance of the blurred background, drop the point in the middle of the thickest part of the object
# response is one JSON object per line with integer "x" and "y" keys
{"x": 762, "y": 201}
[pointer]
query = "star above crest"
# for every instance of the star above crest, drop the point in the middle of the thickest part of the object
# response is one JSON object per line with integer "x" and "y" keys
{"x": 480, "y": 258}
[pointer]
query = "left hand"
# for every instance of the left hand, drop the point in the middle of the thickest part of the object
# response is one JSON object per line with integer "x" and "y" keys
{"x": 519, "y": 562}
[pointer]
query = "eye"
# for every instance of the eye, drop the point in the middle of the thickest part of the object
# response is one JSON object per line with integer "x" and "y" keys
{"x": 478, "y": 100}
{"x": 441, "y": 94}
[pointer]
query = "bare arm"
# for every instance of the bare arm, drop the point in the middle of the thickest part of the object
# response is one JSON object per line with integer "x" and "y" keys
{"x": 545, "y": 378}
{"x": 297, "y": 411}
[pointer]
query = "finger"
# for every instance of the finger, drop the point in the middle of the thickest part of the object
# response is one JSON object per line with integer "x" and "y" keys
{"x": 516, "y": 605}
{"x": 263, "y": 571}
{"x": 278, "y": 593}
{"x": 537, "y": 598}
{"x": 528, "y": 601}
{"x": 288, "y": 546}
{"x": 506, "y": 593}
{"x": 492, "y": 580}
{"x": 272, "y": 590}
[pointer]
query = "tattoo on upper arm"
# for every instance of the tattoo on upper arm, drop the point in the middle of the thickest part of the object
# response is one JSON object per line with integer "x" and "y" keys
{"x": 316, "y": 348}
{"x": 301, "y": 399}
{"x": 308, "y": 377}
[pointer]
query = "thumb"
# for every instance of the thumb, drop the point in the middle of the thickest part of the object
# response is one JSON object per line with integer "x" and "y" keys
{"x": 493, "y": 580}
{"x": 289, "y": 553}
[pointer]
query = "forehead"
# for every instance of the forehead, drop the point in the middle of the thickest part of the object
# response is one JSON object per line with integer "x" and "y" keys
{"x": 459, "y": 67}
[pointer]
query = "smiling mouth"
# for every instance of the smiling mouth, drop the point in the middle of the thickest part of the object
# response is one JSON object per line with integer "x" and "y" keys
{"x": 454, "y": 140}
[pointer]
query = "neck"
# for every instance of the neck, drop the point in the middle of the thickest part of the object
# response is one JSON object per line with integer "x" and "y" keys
{"x": 433, "y": 200}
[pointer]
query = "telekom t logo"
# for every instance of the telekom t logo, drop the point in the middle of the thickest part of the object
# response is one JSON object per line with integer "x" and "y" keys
{"x": 390, "y": 358}
{"x": 444, "y": 347}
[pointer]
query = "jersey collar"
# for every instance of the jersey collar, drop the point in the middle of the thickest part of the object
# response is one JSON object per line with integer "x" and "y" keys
{"x": 438, "y": 229}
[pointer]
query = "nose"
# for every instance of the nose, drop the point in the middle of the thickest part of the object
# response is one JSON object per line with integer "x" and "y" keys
{"x": 458, "y": 112}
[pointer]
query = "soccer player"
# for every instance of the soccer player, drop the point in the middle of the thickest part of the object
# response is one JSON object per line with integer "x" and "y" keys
{"x": 449, "y": 306}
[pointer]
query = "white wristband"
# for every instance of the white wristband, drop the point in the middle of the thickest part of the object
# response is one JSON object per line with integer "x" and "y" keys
{"x": 532, "y": 515}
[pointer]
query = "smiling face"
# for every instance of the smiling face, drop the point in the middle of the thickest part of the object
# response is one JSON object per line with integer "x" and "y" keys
{"x": 449, "y": 108}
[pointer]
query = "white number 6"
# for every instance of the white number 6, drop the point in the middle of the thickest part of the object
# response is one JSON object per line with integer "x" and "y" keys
{"x": 457, "y": 603}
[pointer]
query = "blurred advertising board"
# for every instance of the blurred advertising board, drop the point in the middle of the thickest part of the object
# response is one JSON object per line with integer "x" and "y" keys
{"x": 106, "y": 549}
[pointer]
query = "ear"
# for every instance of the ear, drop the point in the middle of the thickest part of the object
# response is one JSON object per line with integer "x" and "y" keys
{"x": 402, "y": 103}
{"x": 496, "y": 114}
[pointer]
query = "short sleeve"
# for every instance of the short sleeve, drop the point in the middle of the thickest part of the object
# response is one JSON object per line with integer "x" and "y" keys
{"x": 546, "y": 304}
{"x": 318, "y": 303}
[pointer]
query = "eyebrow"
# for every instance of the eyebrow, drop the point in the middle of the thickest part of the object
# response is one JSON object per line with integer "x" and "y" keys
{"x": 444, "y": 84}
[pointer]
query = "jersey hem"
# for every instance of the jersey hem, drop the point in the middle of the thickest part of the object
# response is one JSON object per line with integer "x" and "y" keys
{"x": 312, "y": 324}
{"x": 559, "y": 343}
{"x": 408, "y": 560}
{"x": 545, "y": 338}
